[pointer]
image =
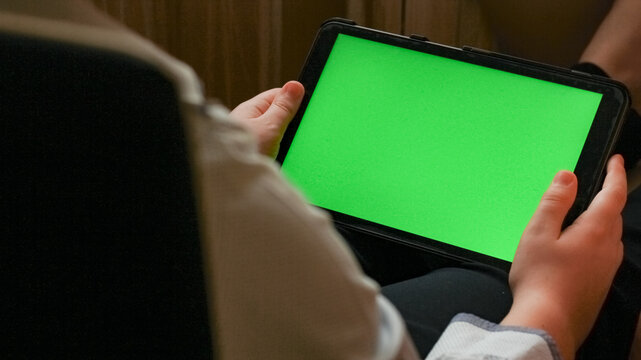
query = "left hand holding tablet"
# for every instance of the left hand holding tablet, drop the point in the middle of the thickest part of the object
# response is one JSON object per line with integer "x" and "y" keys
{"x": 267, "y": 115}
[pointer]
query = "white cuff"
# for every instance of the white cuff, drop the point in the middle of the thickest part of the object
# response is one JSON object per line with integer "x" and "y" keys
{"x": 470, "y": 337}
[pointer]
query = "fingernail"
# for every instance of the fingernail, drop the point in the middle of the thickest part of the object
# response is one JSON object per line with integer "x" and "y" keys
{"x": 563, "y": 178}
{"x": 619, "y": 158}
{"x": 287, "y": 88}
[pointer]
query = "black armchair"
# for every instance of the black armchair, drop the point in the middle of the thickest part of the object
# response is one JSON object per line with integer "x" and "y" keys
{"x": 100, "y": 250}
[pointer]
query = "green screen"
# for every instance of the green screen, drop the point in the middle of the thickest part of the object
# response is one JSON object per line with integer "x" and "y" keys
{"x": 448, "y": 150}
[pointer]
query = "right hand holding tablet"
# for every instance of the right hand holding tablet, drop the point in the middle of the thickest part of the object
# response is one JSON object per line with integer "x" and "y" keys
{"x": 560, "y": 279}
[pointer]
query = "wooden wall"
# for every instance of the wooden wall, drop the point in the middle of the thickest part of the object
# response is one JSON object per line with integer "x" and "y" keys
{"x": 451, "y": 22}
{"x": 241, "y": 47}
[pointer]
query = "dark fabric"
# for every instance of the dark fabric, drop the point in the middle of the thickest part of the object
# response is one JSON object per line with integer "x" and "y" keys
{"x": 427, "y": 289}
{"x": 389, "y": 262}
{"x": 100, "y": 246}
{"x": 429, "y": 302}
{"x": 628, "y": 143}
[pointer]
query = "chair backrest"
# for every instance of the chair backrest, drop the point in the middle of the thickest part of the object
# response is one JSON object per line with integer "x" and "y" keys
{"x": 100, "y": 251}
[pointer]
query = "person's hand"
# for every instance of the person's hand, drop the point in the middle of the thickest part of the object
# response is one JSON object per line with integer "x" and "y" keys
{"x": 560, "y": 279}
{"x": 267, "y": 115}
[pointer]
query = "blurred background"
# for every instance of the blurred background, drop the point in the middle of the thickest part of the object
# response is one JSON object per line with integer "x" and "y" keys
{"x": 242, "y": 47}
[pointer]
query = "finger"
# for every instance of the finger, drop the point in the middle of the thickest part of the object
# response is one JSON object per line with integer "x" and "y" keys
{"x": 610, "y": 201}
{"x": 615, "y": 167}
{"x": 255, "y": 106}
{"x": 612, "y": 241}
{"x": 617, "y": 233}
{"x": 617, "y": 229}
{"x": 285, "y": 104}
{"x": 555, "y": 203}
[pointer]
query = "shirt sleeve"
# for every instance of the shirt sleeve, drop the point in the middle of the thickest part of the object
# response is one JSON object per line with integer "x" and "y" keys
{"x": 283, "y": 284}
{"x": 469, "y": 337}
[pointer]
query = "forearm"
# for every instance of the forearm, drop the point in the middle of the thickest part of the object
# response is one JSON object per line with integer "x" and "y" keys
{"x": 538, "y": 314}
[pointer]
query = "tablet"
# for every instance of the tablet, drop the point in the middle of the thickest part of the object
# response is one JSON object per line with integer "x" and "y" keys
{"x": 441, "y": 148}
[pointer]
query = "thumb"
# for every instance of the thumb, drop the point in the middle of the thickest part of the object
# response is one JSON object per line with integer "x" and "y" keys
{"x": 285, "y": 104}
{"x": 555, "y": 203}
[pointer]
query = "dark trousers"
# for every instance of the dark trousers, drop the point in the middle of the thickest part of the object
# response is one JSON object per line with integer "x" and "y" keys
{"x": 428, "y": 291}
